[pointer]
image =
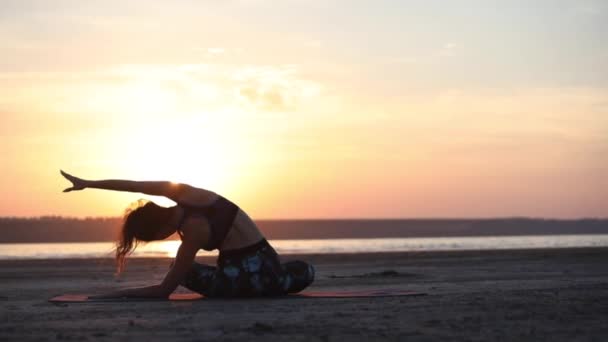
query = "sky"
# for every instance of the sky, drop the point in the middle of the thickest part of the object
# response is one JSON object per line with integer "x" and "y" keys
{"x": 309, "y": 109}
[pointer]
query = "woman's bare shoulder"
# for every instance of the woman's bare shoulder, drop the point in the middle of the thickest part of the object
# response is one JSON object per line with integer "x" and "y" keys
{"x": 190, "y": 195}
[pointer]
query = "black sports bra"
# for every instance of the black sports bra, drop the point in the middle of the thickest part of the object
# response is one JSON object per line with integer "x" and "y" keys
{"x": 220, "y": 215}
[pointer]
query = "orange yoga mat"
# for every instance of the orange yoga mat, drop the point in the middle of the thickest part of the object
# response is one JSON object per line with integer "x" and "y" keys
{"x": 83, "y": 298}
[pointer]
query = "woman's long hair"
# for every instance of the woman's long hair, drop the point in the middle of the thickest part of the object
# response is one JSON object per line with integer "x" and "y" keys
{"x": 141, "y": 220}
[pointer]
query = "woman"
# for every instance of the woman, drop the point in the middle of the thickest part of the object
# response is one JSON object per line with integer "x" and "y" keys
{"x": 247, "y": 265}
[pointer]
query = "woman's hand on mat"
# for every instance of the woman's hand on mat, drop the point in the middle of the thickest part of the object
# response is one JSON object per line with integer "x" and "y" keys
{"x": 77, "y": 183}
{"x": 154, "y": 291}
{"x": 112, "y": 295}
{"x": 106, "y": 296}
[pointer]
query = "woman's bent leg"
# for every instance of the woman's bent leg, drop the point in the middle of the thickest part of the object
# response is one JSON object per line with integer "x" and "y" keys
{"x": 251, "y": 272}
{"x": 257, "y": 274}
{"x": 201, "y": 278}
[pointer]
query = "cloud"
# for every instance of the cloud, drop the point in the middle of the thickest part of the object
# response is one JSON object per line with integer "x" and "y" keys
{"x": 269, "y": 99}
{"x": 448, "y": 50}
{"x": 157, "y": 91}
{"x": 216, "y": 51}
{"x": 271, "y": 88}
{"x": 314, "y": 44}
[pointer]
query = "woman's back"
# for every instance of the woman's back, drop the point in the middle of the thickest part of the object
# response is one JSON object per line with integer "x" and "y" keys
{"x": 221, "y": 223}
{"x": 244, "y": 232}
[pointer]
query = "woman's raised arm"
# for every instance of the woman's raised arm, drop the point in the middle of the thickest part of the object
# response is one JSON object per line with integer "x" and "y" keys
{"x": 154, "y": 188}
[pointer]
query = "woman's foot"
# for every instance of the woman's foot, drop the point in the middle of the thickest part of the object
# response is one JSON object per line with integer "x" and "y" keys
{"x": 300, "y": 274}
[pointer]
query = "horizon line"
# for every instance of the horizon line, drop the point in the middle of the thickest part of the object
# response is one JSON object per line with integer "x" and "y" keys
{"x": 421, "y": 218}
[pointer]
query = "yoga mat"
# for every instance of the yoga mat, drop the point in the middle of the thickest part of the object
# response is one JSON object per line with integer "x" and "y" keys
{"x": 83, "y": 298}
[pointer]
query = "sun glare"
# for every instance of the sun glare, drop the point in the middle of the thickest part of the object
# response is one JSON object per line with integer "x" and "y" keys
{"x": 180, "y": 152}
{"x": 145, "y": 98}
{"x": 161, "y": 138}
{"x": 165, "y": 248}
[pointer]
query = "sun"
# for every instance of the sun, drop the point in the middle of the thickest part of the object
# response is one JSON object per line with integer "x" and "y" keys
{"x": 156, "y": 137}
{"x": 159, "y": 135}
{"x": 176, "y": 151}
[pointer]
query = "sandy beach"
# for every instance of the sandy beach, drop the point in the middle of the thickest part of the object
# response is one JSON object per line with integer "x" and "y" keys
{"x": 522, "y": 295}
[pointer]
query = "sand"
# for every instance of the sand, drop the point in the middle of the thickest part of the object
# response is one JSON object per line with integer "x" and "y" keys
{"x": 533, "y": 295}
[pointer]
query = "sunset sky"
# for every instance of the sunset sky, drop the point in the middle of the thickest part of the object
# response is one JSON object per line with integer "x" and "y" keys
{"x": 309, "y": 109}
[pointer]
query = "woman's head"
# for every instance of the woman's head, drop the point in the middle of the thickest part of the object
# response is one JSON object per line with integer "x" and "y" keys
{"x": 143, "y": 221}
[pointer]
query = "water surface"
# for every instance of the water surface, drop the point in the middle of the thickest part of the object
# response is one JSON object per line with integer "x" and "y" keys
{"x": 319, "y": 246}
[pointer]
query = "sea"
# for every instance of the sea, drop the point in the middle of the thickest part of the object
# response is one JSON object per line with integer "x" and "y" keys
{"x": 168, "y": 248}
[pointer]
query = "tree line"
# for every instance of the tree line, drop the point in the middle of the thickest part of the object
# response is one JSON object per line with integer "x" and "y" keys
{"x": 91, "y": 229}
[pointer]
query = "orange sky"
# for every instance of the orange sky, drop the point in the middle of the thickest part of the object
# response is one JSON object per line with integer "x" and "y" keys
{"x": 307, "y": 110}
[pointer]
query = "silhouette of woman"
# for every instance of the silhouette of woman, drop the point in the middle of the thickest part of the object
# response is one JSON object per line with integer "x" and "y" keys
{"x": 247, "y": 265}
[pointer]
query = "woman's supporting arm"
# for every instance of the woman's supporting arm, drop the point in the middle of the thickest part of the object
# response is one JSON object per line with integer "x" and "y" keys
{"x": 183, "y": 261}
{"x": 154, "y": 291}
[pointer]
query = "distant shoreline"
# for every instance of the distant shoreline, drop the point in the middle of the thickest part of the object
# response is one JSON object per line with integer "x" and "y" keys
{"x": 59, "y": 229}
{"x": 176, "y": 238}
{"x": 339, "y": 257}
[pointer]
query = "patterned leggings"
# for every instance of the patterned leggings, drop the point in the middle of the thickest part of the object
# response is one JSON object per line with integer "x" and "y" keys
{"x": 249, "y": 272}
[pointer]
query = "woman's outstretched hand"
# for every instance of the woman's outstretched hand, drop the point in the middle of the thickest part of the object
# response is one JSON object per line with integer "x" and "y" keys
{"x": 77, "y": 183}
